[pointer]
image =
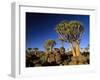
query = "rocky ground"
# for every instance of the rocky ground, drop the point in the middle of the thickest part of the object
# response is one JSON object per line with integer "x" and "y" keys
{"x": 55, "y": 59}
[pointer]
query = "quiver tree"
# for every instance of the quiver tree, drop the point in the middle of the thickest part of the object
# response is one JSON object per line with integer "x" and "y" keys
{"x": 49, "y": 44}
{"x": 71, "y": 32}
{"x": 76, "y": 31}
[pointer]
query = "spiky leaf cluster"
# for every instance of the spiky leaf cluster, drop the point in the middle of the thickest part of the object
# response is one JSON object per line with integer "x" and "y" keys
{"x": 69, "y": 30}
{"x": 49, "y": 43}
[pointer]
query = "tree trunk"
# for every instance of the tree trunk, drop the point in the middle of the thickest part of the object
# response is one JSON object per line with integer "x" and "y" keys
{"x": 73, "y": 50}
{"x": 46, "y": 55}
{"x": 77, "y": 48}
{"x": 50, "y": 49}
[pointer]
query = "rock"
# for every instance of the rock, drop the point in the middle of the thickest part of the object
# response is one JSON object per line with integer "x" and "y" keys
{"x": 62, "y": 50}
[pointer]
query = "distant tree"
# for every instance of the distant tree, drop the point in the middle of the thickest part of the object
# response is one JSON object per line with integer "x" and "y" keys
{"x": 49, "y": 44}
{"x": 61, "y": 31}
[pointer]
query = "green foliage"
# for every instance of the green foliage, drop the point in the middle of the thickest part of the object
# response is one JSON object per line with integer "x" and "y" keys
{"x": 69, "y": 31}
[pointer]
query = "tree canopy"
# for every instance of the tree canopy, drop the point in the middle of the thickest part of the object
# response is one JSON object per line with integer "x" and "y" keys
{"x": 69, "y": 30}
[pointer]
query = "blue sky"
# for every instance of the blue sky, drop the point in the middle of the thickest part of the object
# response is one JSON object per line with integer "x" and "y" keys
{"x": 40, "y": 27}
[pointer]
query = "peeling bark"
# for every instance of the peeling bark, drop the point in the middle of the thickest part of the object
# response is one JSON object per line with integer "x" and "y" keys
{"x": 77, "y": 48}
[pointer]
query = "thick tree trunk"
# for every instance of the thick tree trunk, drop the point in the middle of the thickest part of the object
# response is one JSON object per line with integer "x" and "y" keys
{"x": 77, "y": 48}
{"x": 46, "y": 55}
{"x": 50, "y": 49}
{"x": 73, "y": 50}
